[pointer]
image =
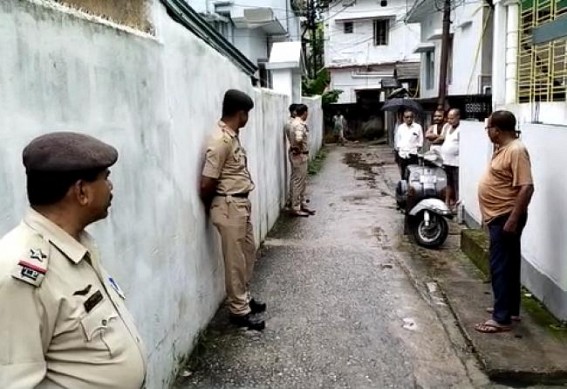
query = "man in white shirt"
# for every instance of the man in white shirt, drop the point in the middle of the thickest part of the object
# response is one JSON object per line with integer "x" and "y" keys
{"x": 450, "y": 153}
{"x": 408, "y": 141}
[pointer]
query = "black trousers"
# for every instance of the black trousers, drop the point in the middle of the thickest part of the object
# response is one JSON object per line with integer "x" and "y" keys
{"x": 505, "y": 269}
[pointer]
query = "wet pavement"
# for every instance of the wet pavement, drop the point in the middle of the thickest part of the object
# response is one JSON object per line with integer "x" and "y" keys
{"x": 349, "y": 304}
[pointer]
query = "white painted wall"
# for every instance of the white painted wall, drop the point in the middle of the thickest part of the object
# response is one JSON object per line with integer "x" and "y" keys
{"x": 471, "y": 49}
{"x": 543, "y": 243}
{"x": 358, "y": 47}
{"x": 156, "y": 100}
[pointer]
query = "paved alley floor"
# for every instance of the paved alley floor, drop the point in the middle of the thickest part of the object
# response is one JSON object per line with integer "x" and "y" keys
{"x": 344, "y": 308}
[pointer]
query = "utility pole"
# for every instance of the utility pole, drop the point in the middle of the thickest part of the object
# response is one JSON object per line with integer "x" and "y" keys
{"x": 312, "y": 25}
{"x": 444, "y": 54}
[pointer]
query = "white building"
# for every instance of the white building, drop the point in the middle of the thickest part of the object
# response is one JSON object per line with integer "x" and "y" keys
{"x": 369, "y": 48}
{"x": 530, "y": 79}
{"x": 470, "y": 48}
{"x": 252, "y": 26}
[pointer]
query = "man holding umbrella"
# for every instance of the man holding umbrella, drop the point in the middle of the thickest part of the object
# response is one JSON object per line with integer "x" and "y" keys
{"x": 407, "y": 141}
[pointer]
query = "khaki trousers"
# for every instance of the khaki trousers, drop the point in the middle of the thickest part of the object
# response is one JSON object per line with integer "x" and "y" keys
{"x": 299, "y": 168}
{"x": 231, "y": 217}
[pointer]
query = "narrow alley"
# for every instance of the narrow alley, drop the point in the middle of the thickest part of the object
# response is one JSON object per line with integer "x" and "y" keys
{"x": 345, "y": 308}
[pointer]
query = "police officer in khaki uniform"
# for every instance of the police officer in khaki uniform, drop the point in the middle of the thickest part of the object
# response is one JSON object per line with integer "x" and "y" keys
{"x": 299, "y": 158}
{"x": 225, "y": 187}
{"x": 287, "y": 132}
{"x": 63, "y": 322}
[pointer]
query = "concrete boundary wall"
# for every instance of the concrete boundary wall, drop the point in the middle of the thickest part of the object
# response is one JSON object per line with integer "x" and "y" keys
{"x": 544, "y": 246}
{"x": 156, "y": 99}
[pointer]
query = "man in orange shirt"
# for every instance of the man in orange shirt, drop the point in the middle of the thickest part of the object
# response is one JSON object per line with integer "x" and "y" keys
{"x": 504, "y": 194}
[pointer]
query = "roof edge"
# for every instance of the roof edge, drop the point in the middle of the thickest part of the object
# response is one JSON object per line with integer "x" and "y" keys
{"x": 185, "y": 15}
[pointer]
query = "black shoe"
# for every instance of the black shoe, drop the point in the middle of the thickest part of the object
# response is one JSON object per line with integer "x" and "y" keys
{"x": 248, "y": 322}
{"x": 257, "y": 306}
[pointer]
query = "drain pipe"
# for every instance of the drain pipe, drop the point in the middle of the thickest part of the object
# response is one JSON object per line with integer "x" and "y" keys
{"x": 512, "y": 42}
{"x": 499, "y": 56}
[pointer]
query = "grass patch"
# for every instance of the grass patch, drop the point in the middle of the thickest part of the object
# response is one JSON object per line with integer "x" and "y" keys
{"x": 539, "y": 313}
{"x": 316, "y": 163}
{"x": 131, "y": 13}
{"x": 474, "y": 243}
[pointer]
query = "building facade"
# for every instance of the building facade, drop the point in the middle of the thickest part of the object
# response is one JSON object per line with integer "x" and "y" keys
{"x": 369, "y": 49}
{"x": 253, "y": 26}
{"x": 469, "y": 72}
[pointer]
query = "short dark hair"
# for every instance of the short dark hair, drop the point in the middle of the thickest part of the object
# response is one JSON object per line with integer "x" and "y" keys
{"x": 503, "y": 120}
{"x": 235, "y": 101}
{"x": 292, "y": 108}
{"x": 47, "y": 188}
{"x": 301, "y": 109}
{"x": 457, "y": 111}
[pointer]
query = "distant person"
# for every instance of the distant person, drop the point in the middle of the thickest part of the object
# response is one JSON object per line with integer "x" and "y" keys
{"x": 299, "y": 157}
{"x": 63, "y": 318}
{"x": 450, "y": 154}
{"x": 504, "y": 194}
{"x": 340, "y": 125}
{"x": 408, "y": 141}
{"x": 225, "y": 189}
{"x": 436, "y": 131}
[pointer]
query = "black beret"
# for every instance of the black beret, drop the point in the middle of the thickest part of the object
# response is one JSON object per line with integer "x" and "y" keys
{"x": 67, "y": 151}
{"x": 237, "y": 100}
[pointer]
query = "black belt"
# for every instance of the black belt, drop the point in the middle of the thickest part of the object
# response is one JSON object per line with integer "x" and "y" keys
{"x": 240, "y": 195}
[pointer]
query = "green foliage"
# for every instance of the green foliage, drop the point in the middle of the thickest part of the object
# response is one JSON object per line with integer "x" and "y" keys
{"x": 317, "y": 86}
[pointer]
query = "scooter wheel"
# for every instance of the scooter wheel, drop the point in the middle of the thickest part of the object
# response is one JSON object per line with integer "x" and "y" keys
{"x": 432, "y": 235}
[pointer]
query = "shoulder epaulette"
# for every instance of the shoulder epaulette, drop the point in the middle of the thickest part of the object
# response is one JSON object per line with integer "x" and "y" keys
{"x": 32, "y": 266}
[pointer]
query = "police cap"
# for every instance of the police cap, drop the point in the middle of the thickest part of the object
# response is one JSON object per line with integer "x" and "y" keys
{"x": 66, "y": 152}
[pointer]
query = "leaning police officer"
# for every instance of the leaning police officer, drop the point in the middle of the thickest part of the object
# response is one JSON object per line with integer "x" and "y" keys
{"x": 63, "y": 322}
{"x": 225, "y": 188}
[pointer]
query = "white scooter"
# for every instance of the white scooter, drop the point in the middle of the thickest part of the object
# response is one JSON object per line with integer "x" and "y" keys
{"x": 420, "y": 195}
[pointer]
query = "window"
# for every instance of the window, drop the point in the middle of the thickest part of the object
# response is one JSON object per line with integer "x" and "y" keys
{"x": 349, "y": 27}
{"x": 542, "y": 69}
{"x": 381, "y": 32}
{"x": 429, "y": 70}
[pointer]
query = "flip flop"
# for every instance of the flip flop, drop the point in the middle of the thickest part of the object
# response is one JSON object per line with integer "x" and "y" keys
{"x": 514, "y": 318}
{"x": 491, "y": 327}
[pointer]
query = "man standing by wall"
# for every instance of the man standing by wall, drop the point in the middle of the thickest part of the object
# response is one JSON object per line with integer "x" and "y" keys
{"x": 408, "y": 141}
{"x": 450, "y": 154}
{"x": 299, "y": 157}
{"x": 225, "y": 187}
{"x": 504, "y": 194}
{"x": 62, "y": 318}
{"x": 339, "y": 125}
{"x": 287, "y": 132}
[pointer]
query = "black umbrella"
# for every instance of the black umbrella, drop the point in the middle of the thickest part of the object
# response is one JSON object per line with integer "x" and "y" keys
{"x": 400, "y": 103}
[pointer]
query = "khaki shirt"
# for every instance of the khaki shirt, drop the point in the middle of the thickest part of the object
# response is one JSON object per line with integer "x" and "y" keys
{"x": 299, "y": 142}
{"x": 226, "y": 161}
{"x": 498, "y": 189}
{"x": 287, "y": 129}
{"x": 63, "y": 322}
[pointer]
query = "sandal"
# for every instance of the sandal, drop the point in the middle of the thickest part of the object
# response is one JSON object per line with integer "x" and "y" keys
{"x": 491, "y": 327}
{"x": 514, "y": 318}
